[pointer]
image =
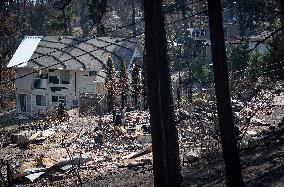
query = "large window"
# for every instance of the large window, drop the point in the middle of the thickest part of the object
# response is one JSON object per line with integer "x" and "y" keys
{"x": 40, "y": 100}
{"x": 65, "y": 77}
{"x": 40, "y": 79}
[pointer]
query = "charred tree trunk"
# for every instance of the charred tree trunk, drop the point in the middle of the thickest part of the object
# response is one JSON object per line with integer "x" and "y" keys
{"x": 158, "y": 147}
{"x": 168, "y": 116}
{"x": 227, "y": 129}
{"x": 165, "y": 135}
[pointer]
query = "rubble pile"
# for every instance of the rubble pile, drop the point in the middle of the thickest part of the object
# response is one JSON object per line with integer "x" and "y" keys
{"x": 263, "y": 113}
{"x": 80, "y": 148}
{"x": 54, "y": 147}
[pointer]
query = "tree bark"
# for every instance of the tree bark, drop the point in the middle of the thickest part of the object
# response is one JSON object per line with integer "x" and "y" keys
{"x": 227, "y": 129}
{"x": 165, "y": 137}
{"x": 168, "y": 117}
{"x": 158, "y": 147}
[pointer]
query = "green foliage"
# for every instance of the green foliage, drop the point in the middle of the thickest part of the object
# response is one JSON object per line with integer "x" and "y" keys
{"x": 123, "y": 84}
{"x": 256, "y": 64}
{"x": 110, "y": 84}
{"x": 238, "y": 58}
{"x": 241, "y": 62}
{"x": 202, "y": 72}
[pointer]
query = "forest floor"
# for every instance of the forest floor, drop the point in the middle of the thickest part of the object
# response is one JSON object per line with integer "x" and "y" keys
{"x": 91, "y": 151}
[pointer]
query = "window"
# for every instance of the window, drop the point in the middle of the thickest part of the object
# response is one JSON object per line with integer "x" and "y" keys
{"x": 92, "y": 73}
{"x": 53, "y": 79}
{"x": 40, "y": 83}
{"x": 24, "y": 103}
{"x": 65, "y": 77}
{"x": 40, "y": 79}
{"x": 40, "y": 100}
{"x": 61, "y": 99}
{"x": 54, "y": 99}
{"x": 58, "y": 99}
{"x": 75, "y": 102}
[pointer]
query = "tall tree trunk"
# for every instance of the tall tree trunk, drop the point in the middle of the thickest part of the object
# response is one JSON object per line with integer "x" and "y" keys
{"x": 164, "y": 133}
{"x": 168, "y": 116}
{"x": 227, "y": 129}
{"x": 158, "y": 147}
{"x": 133, "y": 18}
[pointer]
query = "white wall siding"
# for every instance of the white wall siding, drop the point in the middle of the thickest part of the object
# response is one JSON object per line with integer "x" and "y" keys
{"x": 80, "y": 82}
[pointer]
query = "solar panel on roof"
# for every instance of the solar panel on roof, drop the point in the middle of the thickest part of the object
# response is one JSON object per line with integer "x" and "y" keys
{"x": 24, "y": 51}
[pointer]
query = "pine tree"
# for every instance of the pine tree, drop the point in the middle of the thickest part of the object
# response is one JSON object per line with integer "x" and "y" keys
{"x": 123, "y": 84}
{"x": 136, "y": 84}
{"x": 110, "y": 84}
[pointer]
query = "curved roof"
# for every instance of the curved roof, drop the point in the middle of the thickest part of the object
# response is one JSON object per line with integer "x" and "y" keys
{"x": 70, "y": 52}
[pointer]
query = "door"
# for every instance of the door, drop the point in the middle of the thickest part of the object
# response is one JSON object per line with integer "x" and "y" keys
{"x": 25, "y": 103}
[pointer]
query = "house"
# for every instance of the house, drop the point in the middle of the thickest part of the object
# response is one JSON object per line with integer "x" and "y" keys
{"x": 259, "y": 42}
{"x": 54, "y": 69}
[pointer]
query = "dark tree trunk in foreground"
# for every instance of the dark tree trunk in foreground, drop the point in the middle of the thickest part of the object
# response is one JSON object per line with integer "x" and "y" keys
{"x": 168, "y": 116}
{"x": 158, "y": 147}
{"x": 164, "y": 133}
{"x": 228, "y": 137}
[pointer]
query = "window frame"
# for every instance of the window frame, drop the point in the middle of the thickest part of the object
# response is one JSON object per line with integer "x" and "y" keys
{"x": 93, "y": 73}
{"x": 60, "y": 78}
{"x": 63, "y": 98}
{"x": 44, "y": 99}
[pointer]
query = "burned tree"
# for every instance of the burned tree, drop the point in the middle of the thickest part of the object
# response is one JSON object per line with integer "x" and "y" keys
{"x": 123, "y": 84}
{"x": 166, "y": 160}
{"x": 110, "y": 84}
{"x": 228, "y": 135}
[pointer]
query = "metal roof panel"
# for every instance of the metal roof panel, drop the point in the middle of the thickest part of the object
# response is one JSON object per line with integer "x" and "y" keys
{"x": 24, "y": 51}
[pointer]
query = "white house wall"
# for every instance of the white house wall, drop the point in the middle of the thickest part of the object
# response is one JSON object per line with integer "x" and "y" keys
{"x": 24, "y": 83}
{"x": 84, "y": 84}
